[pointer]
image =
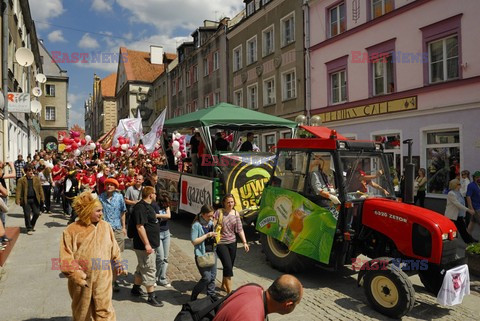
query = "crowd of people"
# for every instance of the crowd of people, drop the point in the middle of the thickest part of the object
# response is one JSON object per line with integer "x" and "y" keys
{"x": 109, "y": 199}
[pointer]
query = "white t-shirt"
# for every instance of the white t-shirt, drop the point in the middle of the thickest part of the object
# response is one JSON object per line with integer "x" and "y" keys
{"x": 456, "y": 285}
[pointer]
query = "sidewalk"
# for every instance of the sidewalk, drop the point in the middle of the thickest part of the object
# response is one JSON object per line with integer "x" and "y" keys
{"x": 31, "y": 290}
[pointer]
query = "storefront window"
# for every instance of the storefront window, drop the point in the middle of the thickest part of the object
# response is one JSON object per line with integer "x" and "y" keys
{"x": 443, "y": 160}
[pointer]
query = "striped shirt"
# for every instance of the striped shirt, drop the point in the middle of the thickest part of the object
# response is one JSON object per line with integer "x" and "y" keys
{"x": 231, "y": 224}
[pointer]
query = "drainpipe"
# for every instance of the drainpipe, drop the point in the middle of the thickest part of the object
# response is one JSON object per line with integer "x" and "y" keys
{"x": 5, "y": 78}
{"x": 308, "y": 88}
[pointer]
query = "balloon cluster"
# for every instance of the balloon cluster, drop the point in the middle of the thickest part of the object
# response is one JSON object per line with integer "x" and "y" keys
{"x": 76, "y": 144}
{"x": 178, "y": 147}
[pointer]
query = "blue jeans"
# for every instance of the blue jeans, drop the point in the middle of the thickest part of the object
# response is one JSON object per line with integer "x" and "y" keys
{"x": 207, "y": 280}
{"x": 162, "y": 257}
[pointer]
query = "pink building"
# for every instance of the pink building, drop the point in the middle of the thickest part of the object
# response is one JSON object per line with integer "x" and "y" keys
{"x": 391, "y": 70}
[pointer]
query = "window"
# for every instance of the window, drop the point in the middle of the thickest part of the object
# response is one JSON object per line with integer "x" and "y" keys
{"x": 338, "y": 82}
{"x": 216, "y": 98}
{"x": 195, "y": 105}
{"x": 268, "y": 41}
{"x": 443, "y": 158}
{"x": 237, "y": 58}
{"x": 195, "y": 73}
{"x": 174, "y": 87}
{"x": 216, "y": 63}
{"x": 50, "y": 90}
{"x": 441, "y": 44}
{"x": 288, "y": 29}
{"x": 250, "y": 8}
{"x": 269, "y": 92}
{"x": 383, "y": 80}
{"x": 337, "y": 19}
{"x": 206, "y": 101}
{"x": 180, "y": 83}
{"x": 188, "y": 76}
{"x": 270, "y": 141}
{"x": 380, "y": 7}
{"x": 205, "y": 67}
{"x": 264, "y": 2}
{"x": 238, "y": 97}
{"x": 252, "y": 97}
{"x": 293, "y": 166}
{"x": 289, "y": 85}
{"x": 49, "y": 113}
{"x": 443, "y": 59}
{"x": 252, "y": 50}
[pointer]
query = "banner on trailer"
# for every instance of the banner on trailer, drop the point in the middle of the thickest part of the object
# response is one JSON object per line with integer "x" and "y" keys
{"x": 305, "y": 227}
{"x": 168, "y": 182}
{"x": 245, "y": 176}
{"x": 194, "y": 193}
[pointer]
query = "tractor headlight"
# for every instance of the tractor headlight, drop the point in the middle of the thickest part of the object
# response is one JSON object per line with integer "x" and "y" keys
{"x": 445, "y": 236}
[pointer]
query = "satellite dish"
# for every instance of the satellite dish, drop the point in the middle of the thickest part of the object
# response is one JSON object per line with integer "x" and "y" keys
{"x": 35, "y": 106}
{"x": 24, "y": 57}
{"x": 36, "y": 91}
{"x": 41, "y": 78}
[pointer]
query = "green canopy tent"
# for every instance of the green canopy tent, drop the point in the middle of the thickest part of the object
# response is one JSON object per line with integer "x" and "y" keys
{"x": 227, "y": 116}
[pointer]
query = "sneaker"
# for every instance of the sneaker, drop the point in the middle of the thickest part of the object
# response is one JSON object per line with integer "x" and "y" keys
{"x": 30, "y": 233}
{"x": 137, "y": 291}
{"x": 116, "y": 287}
{"x": 153, "y": 301}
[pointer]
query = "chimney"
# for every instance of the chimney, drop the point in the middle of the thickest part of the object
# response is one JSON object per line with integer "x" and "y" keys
{"x": 156, "y": 55}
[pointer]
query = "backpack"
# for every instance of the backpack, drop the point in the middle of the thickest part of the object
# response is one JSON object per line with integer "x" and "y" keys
{"x": 132, "y": 225}
{"x": 202, "y": 309}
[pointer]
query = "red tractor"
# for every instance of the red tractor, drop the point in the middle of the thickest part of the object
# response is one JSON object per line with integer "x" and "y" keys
{"x": 331, "y": 199}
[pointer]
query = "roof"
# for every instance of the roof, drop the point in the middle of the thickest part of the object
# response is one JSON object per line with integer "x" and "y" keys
{"x": 108, "y": 85}
{"x": 139, "y": 68}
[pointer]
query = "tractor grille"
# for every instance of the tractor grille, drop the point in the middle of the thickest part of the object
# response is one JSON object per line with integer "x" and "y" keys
{"x": 421, "y": 241}
{"x": 453, "y": 250}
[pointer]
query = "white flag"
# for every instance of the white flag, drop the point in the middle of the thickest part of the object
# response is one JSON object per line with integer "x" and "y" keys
{"x": 155, "y": 134}
{"x": 131, "y": 128}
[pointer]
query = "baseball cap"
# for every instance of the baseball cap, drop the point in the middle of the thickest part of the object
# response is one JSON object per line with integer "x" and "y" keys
{"x": 476, "y": 174}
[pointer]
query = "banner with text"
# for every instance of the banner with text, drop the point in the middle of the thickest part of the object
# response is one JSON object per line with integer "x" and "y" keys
{"x": 19, "y": 102}
{"x": 194, "y": 193}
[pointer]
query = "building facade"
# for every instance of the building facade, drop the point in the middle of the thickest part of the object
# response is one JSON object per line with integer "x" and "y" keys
{"x": 391, "y": 70}
{"x": 137, "y": 71}
{"x": 54, "y": 114}
{"x": 266, "y": 62}
{"x": 104, "y": 106}
{"x": 20, "y": 131}
{"x": 200, "y": 78}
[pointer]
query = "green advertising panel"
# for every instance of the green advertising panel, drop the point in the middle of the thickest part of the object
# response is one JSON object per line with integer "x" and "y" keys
{"x": 305, "y": 227}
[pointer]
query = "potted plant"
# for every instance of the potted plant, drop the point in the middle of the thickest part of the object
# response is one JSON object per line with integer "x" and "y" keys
{"x": 473, "y": 255}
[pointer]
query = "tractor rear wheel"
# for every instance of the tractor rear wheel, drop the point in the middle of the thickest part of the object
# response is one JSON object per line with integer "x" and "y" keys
{"x": 389, "y": 291}
{"x": 279, "y": 256}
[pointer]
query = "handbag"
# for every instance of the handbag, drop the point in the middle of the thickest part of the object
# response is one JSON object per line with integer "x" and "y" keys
{"x": 207, "y": 260}
{"x": 218, "y": 227}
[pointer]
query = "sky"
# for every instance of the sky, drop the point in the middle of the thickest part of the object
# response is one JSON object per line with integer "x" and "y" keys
{"x": 93, "y": 27}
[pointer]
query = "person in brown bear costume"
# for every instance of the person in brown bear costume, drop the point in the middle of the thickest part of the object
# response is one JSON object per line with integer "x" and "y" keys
{"x": 89, "y": 255}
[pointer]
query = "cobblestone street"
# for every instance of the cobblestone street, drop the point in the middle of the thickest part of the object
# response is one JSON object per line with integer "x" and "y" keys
{"x": 328, "y": 295}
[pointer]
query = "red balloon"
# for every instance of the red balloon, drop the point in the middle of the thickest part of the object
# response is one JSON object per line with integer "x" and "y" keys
{"x": 77, "y": 140}
{"x": 74, "y": 146}
{"x": 112, "y": 149}
{"x": 181, "y": 148}
{"x": 121, "y": 140}
{"x": 127, "y": 141}
{"x": 68, "y": 149}
{"x": 83, "y": 142}
{"x": 184, "y": 154}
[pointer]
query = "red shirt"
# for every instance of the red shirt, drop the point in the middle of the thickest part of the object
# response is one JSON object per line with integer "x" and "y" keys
{"x": 245, "y": 304}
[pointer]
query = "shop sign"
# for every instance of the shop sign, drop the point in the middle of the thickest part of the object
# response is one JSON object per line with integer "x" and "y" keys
{"x": 19, "y": 102}
{"x": 382, "y": 108}
{"x": 194, "y": 193}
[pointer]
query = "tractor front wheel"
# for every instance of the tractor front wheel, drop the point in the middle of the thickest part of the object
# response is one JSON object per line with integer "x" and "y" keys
{"x": 279, "y": 256}
{"x": 389, "y": 291}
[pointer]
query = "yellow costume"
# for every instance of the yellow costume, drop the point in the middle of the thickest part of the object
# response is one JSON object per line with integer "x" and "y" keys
{"x": 87, "y": 253}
